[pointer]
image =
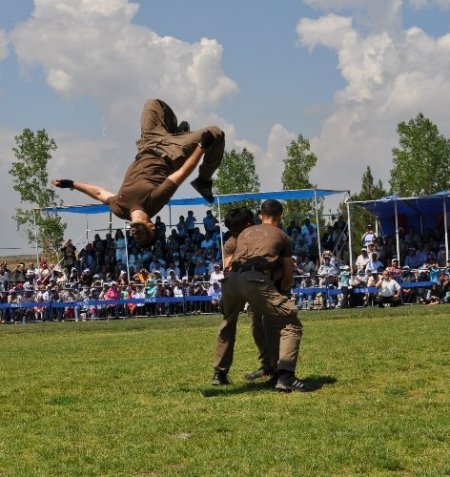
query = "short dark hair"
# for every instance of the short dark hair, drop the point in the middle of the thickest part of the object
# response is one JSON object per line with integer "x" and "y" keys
{"x": 237, "y": 219}
{"x": 142, "y": 234}
{"x": 271, "y": 208}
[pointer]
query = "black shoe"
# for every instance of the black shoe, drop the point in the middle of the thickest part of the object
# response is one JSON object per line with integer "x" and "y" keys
{"x": 292, "y": 383}
{"x": 260, "y": 373}
{"x": 272, "y": 382}
{"x": 220, "y": 379}
{"x": 204, "y": 188}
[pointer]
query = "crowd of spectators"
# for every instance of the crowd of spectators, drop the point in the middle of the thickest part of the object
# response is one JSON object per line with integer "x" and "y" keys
{"x": 186, "y": 263}
{"x": 423, "y": 264}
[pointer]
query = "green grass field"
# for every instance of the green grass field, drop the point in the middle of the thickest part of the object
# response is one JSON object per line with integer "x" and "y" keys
{"x": 133, "y": 398}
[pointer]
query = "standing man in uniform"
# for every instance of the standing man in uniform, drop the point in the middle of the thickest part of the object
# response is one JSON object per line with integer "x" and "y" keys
{"x": 236, "y": 221}
{"x": 259, "y": 249}
{"x": 167, "y": 154}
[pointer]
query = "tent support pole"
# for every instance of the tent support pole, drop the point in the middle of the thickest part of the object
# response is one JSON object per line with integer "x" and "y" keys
{"x": 445, "y": 229}
{"x": 170, "y": 217}
{"x": 36, "y": 239}
{"x": 319, "y": 246}
{"x": 397, "y": 237}
{"x": 349, "y": 229}
{"x": 221, "y": 235}
{"x": 126, "y": 249}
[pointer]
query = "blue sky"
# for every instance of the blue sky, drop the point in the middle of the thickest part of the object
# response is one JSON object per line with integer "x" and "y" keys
{"x": 340, "y": 72}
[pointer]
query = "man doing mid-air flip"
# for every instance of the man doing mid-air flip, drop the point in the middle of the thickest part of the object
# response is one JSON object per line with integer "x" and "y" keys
{"x": 167, "y": 154}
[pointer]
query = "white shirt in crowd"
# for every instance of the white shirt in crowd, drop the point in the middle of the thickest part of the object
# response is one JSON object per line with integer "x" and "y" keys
{"x": 388, "y": 287}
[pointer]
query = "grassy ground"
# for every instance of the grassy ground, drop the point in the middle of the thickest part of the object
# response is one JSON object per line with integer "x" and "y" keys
{"x": 132, "y": 398}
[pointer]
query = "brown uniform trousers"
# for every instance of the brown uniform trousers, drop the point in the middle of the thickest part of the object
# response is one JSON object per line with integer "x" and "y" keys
{"x": 159, "y": 130}
{"x": 266, "y": 338}
{"x": 280, "y": 317}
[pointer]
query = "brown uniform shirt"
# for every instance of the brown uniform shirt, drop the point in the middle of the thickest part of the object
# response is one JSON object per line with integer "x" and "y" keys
{"x": 145, "y": 187}
{"x": 229, "y": 247}
{"x": 263, "y": 246}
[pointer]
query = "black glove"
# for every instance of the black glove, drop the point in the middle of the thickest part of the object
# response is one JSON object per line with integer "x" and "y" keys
{"x": 65, "y": 184}
{"x": 206, "y": 140}
{"x": 184, "y": 127}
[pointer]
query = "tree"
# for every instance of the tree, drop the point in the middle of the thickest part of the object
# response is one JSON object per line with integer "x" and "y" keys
{"x": 421, "y": 163}
{"x": 30, "y": 179}
{"x": 359, "y": 216}
{"x": 237, "y": 174}
{"x": 297, "y": 166}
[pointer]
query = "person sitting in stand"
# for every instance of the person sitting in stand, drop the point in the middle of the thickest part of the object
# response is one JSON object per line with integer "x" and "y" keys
{"x": 394, "y": 269}
{"x": 374, "y": 263}
{"x": 408, "y": 294}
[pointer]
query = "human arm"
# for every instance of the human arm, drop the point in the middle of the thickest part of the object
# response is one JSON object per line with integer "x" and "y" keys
{"x": 96, "y": 192}
{"x": 287, "y": 278}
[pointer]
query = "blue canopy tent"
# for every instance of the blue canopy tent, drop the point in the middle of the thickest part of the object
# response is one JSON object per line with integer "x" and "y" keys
{"x": 393, "y": 212}
{"x": 301, "y": 194}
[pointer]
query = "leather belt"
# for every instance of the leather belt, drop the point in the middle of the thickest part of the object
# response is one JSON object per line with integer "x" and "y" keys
{"x": 252, "y": 268}
{"x": 161, "y": 154}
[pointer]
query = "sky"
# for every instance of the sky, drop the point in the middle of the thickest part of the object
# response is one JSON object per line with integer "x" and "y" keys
{"x": 343, "y": 73}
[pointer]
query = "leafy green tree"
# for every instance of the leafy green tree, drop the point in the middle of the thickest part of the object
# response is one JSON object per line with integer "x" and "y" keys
{"x": 370, "y": 190}
{"x": 236, "y": 174}
{"x": 30, "y": 179}
{"x": 297, "y": 167}
{"x": 421, "y": 163}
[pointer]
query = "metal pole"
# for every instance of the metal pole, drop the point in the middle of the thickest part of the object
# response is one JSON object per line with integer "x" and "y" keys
{"x": 87, "y": 229}
{"x": 36, "y": 239}
{"x": 397, "y": 237}
{"x": 350, "y": 242}
{"x": 170, "y": 216}
{"x": 221, "y": 235}
{"x": 319, "y": 246}
{"x": 445, "y": 229}
{"x": 126, "y": 249}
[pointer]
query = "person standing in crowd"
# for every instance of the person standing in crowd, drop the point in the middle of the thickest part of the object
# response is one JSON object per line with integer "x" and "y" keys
{"x": 362, "y": 259}
{"x": 209, "y": 222}
{"x": 368, "y": 236}
{"x": 259, "y": 249}
{"x": 190, "y": 223}
{"x": 69, "y": 257}
{"x": 167, "y": 154}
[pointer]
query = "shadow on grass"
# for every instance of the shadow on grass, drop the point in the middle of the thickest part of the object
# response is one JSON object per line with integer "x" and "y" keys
{"x": 314, "y": 384}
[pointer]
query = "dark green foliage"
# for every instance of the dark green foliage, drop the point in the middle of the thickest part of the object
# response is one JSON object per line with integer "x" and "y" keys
{"x": 359, "y": 216}
{"x": 421, "y": 162}
{"x": 236, "y": 174}
{"x": 30, "y": 179}
{"x": 297, "y": 167}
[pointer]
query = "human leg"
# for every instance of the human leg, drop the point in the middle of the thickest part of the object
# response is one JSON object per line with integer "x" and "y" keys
{"x": 262, "y": 341}
{"x": 280, "y": 315}
{"x": 232, "y": 303}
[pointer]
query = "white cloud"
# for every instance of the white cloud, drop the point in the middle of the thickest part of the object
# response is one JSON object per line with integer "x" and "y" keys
{"x": 270, "y": 161}
{"x": 390, "y": 76}
{"x": 376, "y": 15}
{"x": 330, "y": 31}
{"x": 92, "y": 49}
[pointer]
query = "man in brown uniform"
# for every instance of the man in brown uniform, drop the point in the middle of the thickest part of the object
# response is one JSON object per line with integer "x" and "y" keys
{"x": 167, "y": 154}
{"x": 236, "y": 221}
{"x": 267, "y": 343}
{"x": 259, "y": 249}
